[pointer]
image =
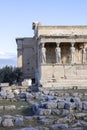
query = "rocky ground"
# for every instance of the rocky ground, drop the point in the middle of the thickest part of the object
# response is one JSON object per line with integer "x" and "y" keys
{"x": 45, "y": 110}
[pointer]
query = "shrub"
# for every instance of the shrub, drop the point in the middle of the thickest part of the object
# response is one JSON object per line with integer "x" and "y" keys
{"x": 10, "y": 74}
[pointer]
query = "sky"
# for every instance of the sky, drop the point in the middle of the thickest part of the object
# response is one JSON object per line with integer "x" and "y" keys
{"x": 16, "y": 17}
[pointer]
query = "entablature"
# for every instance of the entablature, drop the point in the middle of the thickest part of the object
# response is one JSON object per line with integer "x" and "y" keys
{"x": 63, "y": 38}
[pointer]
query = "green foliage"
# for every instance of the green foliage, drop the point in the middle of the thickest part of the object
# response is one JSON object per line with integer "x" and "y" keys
{"x": 18, "y": 75}
{"x": 10, "y": 74}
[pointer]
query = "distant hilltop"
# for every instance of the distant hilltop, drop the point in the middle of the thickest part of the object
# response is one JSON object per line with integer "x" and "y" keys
{"x": 8, "y": 62}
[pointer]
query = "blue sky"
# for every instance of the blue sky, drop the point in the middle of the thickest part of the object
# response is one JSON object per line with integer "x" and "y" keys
{"x": 16, "y": 17}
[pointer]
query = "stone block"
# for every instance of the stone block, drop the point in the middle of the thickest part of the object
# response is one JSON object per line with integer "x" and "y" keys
{"x": 7, "y": 123}
{"x": 84, "y": 105}
{"x": 19, "y": 121}
{"x": 27, "y": 83}
{"x": 10, "y": 107}
{"x": 80, "y": 115}
{"x": 10, "y": 95}
{"x": 65, "y": 112}
{"x": 55, "y": 112}
{"x": 51, "y": 105}
{"x": 61, "y": 104}
{"x": 4, "y": 84}
{"x": 58, "y": 126}
{"x": 1, "y": 107}
{"x": 42, "y": 112}
{"x": 69, "y": 106}
{"x": 3, "y": 94}
{"x": 46, "y": 121}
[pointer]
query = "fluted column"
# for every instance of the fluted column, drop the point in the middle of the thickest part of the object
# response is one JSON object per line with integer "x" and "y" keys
{"x": 43, "y": 53}
{"x": 58, "y": 54}
{"x": 72, "y": 55}
{"x": 84, "y": 54}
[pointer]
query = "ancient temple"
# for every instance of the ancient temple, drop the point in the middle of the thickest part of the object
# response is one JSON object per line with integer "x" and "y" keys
{"x": 55, "y": 57}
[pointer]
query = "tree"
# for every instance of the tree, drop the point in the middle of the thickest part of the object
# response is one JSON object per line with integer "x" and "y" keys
{"x": 10, "y": 74}
{"x": 18, "y": 75}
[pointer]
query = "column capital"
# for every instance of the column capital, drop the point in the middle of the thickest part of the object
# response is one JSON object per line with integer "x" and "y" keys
{"x": 57, "y": 43}
{"x": 42, "y": 44}
{"x": 84, "y": 44}
{"x": 72, "y": 44}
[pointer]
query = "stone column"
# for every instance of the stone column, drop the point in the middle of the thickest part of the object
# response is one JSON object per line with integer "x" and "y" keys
{"x": 72, "y": 55}
{"x": 58, "y": 54}
{"x": 43, "y": 53}
{"x": 84, "y": 54}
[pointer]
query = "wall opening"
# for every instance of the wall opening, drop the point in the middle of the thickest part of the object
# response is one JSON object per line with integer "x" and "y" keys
{"x": 65, "y": 53}
{"x": 50, "y": 52}
{"x": 78, "y": 53}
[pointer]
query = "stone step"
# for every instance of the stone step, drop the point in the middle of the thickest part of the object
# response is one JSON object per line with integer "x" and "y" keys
{"x": 64, "y": 86}
{"x": 67, "y": 83}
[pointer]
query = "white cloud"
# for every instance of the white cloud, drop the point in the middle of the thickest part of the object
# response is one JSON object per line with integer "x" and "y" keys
{"x": 7, "y": 55}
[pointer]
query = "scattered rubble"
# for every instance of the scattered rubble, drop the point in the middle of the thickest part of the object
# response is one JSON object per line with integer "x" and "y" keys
{"x": 51, "y": 110}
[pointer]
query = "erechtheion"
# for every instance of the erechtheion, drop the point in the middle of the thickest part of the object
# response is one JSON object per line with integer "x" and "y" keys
{"x": 56, "y": 56}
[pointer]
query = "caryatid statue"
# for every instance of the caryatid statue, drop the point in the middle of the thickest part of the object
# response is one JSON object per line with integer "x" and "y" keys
{"x": 58, "y": 54}
{"x": 72, "y": 50}
{"x": 43, "y": 54}
{"x": 84, "y": 54}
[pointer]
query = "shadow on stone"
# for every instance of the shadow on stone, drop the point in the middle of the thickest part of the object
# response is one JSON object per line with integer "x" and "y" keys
{"x": 27, "y": 111}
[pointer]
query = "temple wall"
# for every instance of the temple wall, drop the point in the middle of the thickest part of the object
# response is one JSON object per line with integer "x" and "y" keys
{"x": 27, "y": 57}
{"x": 53, "y": 73}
